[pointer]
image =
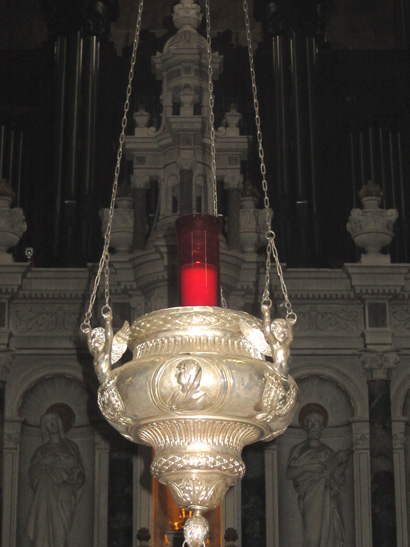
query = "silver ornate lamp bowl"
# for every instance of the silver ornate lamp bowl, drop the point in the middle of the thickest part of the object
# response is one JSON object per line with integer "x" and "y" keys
{"x": 197, "y": 390}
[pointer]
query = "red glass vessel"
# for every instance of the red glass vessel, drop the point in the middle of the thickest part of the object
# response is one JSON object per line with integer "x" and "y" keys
{"x": 198, "y": 250}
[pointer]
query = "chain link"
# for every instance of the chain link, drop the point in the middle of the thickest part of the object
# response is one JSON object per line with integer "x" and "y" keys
{"x": 211, "y": 108}
{"x": 212, "y": 123}
{"x": 271, "y": 250}
{"x": 104, "y": 263}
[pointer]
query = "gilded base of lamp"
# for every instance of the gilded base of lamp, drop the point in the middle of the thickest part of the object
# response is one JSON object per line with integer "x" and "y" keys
{"x": 197, "y": 390}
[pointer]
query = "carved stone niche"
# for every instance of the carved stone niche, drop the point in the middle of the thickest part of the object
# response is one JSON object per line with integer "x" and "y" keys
{"x": 66, "y": 397}
{"x": 324, "y": 396}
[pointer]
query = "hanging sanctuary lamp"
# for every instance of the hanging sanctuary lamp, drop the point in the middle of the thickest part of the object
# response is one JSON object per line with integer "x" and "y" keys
{"x": 199, "y": 386}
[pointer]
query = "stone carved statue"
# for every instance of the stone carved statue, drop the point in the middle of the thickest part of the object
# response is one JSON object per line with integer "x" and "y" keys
{"x": 56, "y": 476}
{"x": 318, "y": 475}
{"x": 189, "y": 394}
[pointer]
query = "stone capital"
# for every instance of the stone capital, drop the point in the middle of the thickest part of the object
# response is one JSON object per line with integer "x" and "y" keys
{"x": 101, "y": 443}
{"x": 361, "y": 441}
{"x": 140, "y": 181}
{"x": 379, "y": 366}
{"x": 233, "y": 181}
{"x": 398, "y": 432}
{"x": 361, "y": 434}
{"x": 186, "y": 161}
{"x": 12, "y": 432}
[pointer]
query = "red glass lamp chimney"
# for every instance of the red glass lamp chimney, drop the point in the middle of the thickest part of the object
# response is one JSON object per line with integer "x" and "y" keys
{"x": 198, "y": 250}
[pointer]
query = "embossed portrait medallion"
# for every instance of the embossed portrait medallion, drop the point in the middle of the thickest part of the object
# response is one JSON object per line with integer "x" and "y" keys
{"x": 186, "y": 384}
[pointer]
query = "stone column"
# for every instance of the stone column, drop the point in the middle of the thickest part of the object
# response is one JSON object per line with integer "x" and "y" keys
{"x": 11, "y": 459}
{"x": 361, "y": 478}
{"x": 233, "y": 186}
{"x": 140, "y": 185}
{"x": 379, "y": 367}
{"x": 272, "y": 495}
{"x": 120, "y": 495}
{"x": 398, "y": 430}
{"x": 231, "y": 511}
{"x": 102, "y": 460}
{"x": 142, "y": 489}
{"x": 6, "y": 360}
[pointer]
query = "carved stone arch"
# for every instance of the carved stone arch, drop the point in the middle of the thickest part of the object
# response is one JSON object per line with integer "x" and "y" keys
{"x": 31, "y": 376}
{"x": 357, "y": 396}
{"x": 344, "y": 397}
{"x": 61, "y": 393}
{"x": 58, "y": 386}
{"x": 398, "y": 397}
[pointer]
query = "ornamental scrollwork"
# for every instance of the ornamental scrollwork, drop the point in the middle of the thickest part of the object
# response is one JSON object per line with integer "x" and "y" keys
{"x": 31, "y": 319}
{"x": 401, "y": 318}
{"x": 335, "y": 319}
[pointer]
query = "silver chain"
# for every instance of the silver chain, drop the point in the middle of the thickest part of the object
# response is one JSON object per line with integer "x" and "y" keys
{"x": 212, "y": 122}
{"x": 211, "y": 108}
{"x": 104, "y": 263}
{"x": 271, "y": 250}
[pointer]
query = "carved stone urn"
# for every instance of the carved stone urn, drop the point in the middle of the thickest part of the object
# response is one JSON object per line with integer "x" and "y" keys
{"x": 141, "y": 119}
{"x": 186, "y": 15}
{"x": 12, "y": 222}
{"x": 122, "y": 231}
{"x": 372, "y": 226}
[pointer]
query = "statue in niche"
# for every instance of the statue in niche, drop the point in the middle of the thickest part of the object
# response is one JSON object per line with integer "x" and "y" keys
{"x": 318, "y": 475}
{"x": 189, "y": 395}
{"x": 56, "y": 476}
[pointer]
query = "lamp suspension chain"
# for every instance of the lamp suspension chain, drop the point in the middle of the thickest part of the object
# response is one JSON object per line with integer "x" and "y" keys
{"x": 271, "y": 250}
{"x": 104, "y": 263}
{"x": 212, "y": 122}
{"x": 211, "y": 108}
